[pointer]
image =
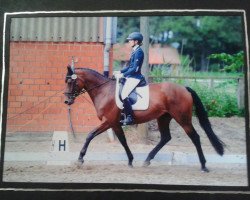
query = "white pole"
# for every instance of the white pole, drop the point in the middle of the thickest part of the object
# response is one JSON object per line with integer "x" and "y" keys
{"x": 108, "y": 43}
{"x": 144, "y": 29}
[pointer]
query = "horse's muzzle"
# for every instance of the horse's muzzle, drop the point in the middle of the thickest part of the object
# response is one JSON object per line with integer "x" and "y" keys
{"x": 69, "y": 101}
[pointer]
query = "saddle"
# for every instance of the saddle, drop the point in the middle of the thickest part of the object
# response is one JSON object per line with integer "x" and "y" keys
{"x": 139, "y": 97}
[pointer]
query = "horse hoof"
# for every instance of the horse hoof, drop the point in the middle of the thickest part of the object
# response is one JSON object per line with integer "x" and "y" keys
{"x": 146, "y": 163}
{"x": 80, "y": 161}
{"x": 78, "y": 164}
{"x": 204, "y": 169}
{"x": 130, "y": 166}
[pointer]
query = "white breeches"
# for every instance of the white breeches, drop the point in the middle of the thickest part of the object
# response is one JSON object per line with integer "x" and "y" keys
{"x": 130, "y": 84}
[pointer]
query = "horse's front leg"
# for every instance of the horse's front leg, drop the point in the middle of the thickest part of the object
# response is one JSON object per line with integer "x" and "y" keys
{"x": 98, "y": 130}
{"x": 120, "y": 134}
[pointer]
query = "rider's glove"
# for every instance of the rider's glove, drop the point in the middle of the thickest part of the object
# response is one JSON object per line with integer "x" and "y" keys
{"x": 117, "y": 74}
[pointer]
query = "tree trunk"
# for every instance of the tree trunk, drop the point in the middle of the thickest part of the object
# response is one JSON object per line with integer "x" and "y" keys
{"x": 204, "y": 60}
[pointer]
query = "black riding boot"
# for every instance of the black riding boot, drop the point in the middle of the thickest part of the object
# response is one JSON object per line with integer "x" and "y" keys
{"x": 129, "y": 115}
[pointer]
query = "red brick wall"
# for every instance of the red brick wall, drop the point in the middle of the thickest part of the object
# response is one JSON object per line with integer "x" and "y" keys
{"x": 37, "y": 72}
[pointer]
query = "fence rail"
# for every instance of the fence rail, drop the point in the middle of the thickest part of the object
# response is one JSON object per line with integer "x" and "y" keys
{"x": 211, "y": 81}
{"x": 197, "y": 77}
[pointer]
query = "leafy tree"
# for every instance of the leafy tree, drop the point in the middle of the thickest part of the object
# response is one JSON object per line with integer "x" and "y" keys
{"x": 232, "y": 63}
{"x": 203, "y": 34}
{"x": 196, "y": 36}
{"x": 125, "y": 26}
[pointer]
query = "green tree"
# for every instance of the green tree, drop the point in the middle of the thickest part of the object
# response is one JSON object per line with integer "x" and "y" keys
{"x": 231, "y": 63}
{"x": 197, "y": 36}
{"x": 125, "y": 26}
{"x": 203, "y": 35}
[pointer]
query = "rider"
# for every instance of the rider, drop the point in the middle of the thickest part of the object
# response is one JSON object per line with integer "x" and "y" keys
{"x": 132, "y": 73}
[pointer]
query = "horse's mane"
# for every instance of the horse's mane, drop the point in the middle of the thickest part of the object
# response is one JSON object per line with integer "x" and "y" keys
{"x": 97, "y": 74}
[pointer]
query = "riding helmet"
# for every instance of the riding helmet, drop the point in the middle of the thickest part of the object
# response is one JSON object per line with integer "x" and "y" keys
{"x": 135, "y": 36}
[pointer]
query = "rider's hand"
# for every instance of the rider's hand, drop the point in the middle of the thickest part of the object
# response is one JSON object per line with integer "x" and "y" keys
{"x": 118, "y": 75}
{"x": 116, "y": 72}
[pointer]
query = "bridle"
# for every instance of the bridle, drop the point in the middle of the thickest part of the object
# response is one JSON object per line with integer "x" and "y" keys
{"x": 75, "y": 93}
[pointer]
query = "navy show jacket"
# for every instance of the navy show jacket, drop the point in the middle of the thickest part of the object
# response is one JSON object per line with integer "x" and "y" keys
{"x": 133, "y": 70}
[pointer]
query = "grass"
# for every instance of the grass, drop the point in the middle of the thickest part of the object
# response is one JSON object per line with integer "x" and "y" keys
{"x": 219, "y": 102}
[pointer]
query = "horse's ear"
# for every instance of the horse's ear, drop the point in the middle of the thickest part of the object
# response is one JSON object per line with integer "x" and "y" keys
{"x": 70, "y": 72}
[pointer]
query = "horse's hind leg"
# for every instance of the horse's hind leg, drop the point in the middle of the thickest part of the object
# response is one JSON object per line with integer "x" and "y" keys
{"x": 120, "y": 135}
{"x": 193, "y": 135}
{"x": 163, "y": 124}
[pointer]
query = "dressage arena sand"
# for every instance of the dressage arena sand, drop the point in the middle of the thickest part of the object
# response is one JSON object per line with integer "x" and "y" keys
{"x": 230, "y": 130}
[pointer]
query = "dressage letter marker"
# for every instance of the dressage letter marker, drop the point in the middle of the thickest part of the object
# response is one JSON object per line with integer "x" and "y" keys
{"x": 59, "y": 149}
{"x": 62, "y": 145}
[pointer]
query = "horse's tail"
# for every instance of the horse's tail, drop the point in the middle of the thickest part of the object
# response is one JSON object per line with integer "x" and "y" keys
{"x": 205, "y": 123}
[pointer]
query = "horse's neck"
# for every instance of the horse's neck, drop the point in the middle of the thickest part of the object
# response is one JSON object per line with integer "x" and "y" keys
{"x": 95, "y": 85}
{"x": 102, "y": 94}
{"x": 93, "y": 81}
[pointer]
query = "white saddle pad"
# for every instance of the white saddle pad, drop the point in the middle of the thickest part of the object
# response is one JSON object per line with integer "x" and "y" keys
{"x": 142, "y": 99}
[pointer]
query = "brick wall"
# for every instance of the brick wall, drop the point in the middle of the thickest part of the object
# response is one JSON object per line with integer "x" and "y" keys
{"x": 36, "y": 84}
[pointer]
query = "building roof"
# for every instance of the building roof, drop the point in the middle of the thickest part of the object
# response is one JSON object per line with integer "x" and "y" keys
{"x": 157, "y": 54}
{"x": 61, "y": 29}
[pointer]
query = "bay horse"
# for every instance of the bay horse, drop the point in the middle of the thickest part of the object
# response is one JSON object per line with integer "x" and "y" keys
{"x": 168, "y": 100}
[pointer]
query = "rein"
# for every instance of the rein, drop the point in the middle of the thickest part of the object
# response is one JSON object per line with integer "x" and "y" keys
{"x": 74, "y": 77}
{"x": 83, "y": 90}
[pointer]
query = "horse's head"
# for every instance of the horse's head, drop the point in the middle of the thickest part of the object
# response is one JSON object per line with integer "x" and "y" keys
{"x": 80, "y": 81}
{"x": 73, "y": 87}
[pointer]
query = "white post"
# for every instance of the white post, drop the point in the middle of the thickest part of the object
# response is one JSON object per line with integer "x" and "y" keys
{"x": 211, "y": 83}
{"x": 111, "y": 135}
{"x": 59, "y": 149}
{"x": 144, "y": 28}
{"x": 241, "y": 94}
{"x": 108, "y": 44}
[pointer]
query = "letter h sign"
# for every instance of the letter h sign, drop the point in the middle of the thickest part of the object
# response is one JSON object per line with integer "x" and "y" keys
{"x": 62, "y": 145}
{"x": 60, "y": 142}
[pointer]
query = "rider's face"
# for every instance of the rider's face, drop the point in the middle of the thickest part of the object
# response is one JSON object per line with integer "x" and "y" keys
{"x": 132, "y": 43}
